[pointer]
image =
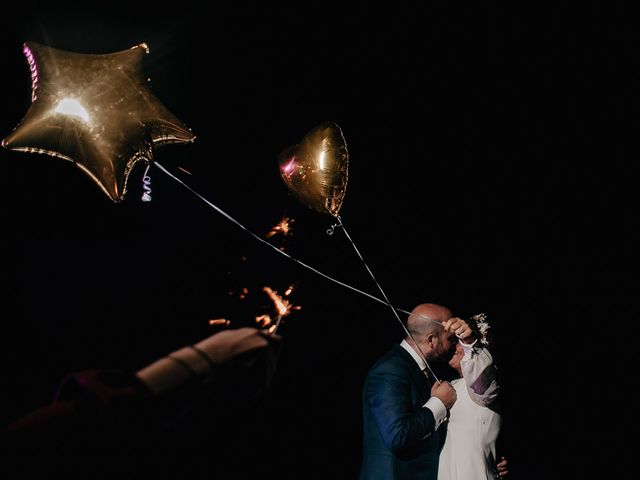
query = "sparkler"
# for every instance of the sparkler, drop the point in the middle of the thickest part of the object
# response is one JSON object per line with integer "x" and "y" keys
{"x": 283, "y": 306}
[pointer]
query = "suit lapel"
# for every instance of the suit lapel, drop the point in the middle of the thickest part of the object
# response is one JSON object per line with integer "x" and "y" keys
{"x": 421, "y": 383}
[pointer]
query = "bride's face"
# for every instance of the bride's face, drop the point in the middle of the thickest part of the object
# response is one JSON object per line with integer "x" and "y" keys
{"x": 457, "y": 358}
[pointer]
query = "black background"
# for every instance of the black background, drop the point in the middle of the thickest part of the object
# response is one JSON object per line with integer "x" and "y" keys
{"x": 491, "y": 170}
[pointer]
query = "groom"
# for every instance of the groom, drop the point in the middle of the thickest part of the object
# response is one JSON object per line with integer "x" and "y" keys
{"x": 404, "y": 406}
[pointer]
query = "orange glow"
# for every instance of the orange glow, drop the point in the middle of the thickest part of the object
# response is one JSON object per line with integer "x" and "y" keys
{"x": 219, "y": 321}
{"x": 185, "y": 171}
{"x": 282, "y": 306}
{"x": 264, "y": 320}
{"x": 283, "y": 227}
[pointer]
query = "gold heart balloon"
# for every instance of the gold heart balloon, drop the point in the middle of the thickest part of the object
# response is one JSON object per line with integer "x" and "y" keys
{"x": 316, "y": 169}
{"x": 96, "y": 111}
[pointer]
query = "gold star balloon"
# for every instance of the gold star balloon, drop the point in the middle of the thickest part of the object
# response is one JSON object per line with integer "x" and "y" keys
{"x": 96, "y": 111}
{"x": 316, "y": 169}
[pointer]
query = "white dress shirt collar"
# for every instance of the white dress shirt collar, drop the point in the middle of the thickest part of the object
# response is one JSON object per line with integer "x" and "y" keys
{"x": 419, "y": 360}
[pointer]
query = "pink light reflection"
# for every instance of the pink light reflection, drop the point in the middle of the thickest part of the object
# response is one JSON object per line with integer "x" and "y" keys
{"x": 34, "y": 71}
{"x": 290, "y": 165}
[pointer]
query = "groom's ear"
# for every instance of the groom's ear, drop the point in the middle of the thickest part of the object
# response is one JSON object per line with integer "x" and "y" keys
{"x": 430, "y": 339}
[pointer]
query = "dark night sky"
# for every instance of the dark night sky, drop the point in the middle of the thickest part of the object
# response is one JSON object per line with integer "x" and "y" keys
{"x": 490, "y": 153}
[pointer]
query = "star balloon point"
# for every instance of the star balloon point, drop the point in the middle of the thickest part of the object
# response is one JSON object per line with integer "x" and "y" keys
{"x": 95, "y": 110}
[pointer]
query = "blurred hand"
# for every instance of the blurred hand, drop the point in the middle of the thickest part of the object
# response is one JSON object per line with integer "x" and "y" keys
{"x": 230, "y": 346}
{"x": 445, "y": 392}
{"x": 247, "y": 358}
{"x": 244, "y": 357}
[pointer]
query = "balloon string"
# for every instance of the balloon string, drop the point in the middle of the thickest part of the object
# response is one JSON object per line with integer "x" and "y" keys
{"x": 285, "y": 254}
{"x": 384, "y": 295}
{"x": 299, "y": 262}
{"x": 146, "y": 185}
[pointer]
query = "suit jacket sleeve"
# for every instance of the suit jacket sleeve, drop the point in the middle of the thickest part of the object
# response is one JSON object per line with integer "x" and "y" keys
{"x": 401, "y": 422}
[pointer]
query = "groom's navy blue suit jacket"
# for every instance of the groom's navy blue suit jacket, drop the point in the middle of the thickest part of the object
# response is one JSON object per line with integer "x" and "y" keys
{"x": 399, "y": 438}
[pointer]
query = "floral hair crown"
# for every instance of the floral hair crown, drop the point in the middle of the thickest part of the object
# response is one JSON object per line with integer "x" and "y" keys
{"x": 483, "y": 327}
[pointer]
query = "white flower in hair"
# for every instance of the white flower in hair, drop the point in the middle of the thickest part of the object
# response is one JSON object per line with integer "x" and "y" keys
{"x": 483, "y": 326}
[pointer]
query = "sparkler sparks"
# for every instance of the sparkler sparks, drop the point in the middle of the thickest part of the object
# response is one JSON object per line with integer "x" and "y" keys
{"x": 242, "y": 295}
{"x": 219, "y": 321}
{"x": 283, "y": 227}
{"x": 264, "y": 320}
{"x": 283, "y": 307}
